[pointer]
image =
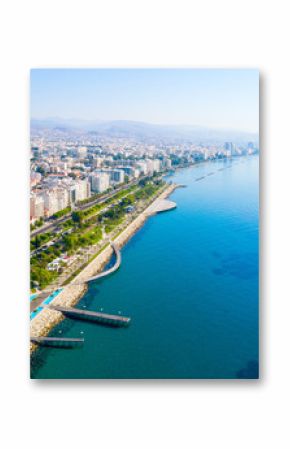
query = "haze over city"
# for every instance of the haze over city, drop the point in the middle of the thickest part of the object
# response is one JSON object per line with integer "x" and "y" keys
{"x": 212, "y": 98}
{"x": 108, "y": 147}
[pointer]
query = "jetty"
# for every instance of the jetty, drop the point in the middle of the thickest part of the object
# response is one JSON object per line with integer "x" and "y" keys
{"x": 57, "y": 341}
{"x": 103, "y": 318}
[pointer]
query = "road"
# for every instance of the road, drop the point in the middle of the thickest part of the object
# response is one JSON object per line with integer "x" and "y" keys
{"x": 102, "y": 199}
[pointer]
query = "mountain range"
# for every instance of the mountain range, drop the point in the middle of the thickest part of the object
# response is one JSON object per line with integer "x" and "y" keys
{"x": 142, "y": 131}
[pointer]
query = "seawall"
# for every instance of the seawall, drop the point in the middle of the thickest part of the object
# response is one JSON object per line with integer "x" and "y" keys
{"x": 42, "y": 324}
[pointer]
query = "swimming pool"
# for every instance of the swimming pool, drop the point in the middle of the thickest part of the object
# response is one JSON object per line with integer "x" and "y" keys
{"x": 46, "y": 301}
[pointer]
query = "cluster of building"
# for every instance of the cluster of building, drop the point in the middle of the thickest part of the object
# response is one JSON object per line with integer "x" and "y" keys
{"x": 62, "y": 177}
{"x": 65, "y": 172}
{"x": 58, "y": 196}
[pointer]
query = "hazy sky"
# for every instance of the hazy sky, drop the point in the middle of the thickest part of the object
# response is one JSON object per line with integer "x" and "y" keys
{"x": 207, "y": 97}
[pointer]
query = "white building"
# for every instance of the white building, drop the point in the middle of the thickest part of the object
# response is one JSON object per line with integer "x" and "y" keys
{"x": 79, "y": 190}
{"x": 62, "y": 198}
{"x": 115, "y": 176}
{"x": 36, "y": 207}
{"x": 100, "y": 182}
{"x": 132, "y": 172}
{"x": 153, "y": 165}
{"x": 82, "y": 152}
{"x": 156, "y": 163}
{"x": 83, "y": 189}
{"x": 142, "y": 166}
{"x": 50, "y": 202}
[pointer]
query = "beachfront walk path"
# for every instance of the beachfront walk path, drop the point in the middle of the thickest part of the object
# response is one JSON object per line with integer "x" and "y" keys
{"x": 106, "y": 272}
{"x": 45, "y": 320}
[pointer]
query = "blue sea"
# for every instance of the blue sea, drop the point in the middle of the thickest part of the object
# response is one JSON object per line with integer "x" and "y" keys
{"x": 189, "y": 280}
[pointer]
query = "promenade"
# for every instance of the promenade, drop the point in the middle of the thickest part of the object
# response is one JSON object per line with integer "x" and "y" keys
{"x": 71, "y": 294}
{"x": 160, "y": 205}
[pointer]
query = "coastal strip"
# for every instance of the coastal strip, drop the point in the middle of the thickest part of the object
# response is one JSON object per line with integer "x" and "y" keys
{"x": 42, "y": 324}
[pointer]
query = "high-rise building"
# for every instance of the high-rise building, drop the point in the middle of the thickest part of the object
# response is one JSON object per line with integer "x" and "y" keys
{"x": 132, "y": 172}
{"x": 36, "y": 207}
{"x": 156, "y": 165}
{"x": 166, "y": 163}
{"x": 78, "y": 191}
{"x": 142, "y": 166}
{"x": 62, "y": 198}
{"x": 153, "y": 165}
{"x": 83, "y": 190}
{"x": 117, "y": 176}
{"x": 100, "y": 182}
{"x": 50, "y": 202}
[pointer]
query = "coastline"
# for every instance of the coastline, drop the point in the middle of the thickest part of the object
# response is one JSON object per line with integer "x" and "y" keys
{"x": 43, "y": 323}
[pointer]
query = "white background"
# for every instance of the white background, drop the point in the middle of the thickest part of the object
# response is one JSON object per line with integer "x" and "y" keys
{"x": 153, "y": 33}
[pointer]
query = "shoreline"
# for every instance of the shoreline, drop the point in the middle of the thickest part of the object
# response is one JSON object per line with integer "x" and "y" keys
{"x": 47, "y": 319}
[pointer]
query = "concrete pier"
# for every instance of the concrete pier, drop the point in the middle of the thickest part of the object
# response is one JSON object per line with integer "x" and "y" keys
{"x": 114, "y": 320}
{"x": 57, "y": 342}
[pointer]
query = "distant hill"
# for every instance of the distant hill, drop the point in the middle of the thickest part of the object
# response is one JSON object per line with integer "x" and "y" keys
{"x": 143, "y": 131}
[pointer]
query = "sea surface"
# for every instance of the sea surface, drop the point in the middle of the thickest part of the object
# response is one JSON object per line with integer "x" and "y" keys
{"x": 189, "y": 282}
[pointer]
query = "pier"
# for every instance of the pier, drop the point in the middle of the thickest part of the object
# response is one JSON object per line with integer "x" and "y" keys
{"x": 104, "y": 318}
{"x": 57, "y": 341}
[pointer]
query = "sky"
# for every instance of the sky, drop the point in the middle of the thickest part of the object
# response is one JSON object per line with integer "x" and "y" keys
{"x": 215, "y": 98}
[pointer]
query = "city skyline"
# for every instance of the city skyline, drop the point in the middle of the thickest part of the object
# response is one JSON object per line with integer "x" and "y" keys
{"x": 212, "y": 98}
{"x": 97, "y": 180}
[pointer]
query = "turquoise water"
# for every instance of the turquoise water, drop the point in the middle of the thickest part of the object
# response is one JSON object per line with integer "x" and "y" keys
{"x": 188, "y": 280}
